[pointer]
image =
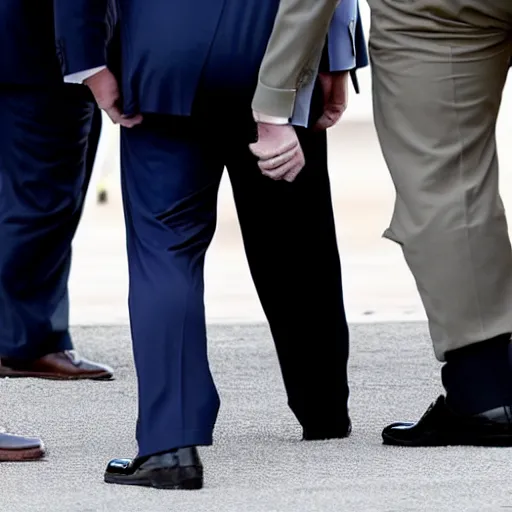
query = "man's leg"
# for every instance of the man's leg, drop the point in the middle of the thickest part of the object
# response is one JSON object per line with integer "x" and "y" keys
{"x": 92, "y": 145}
{"x": 290, "y": 242}
{"x": 439, "y": 68}
{"x": 92, "y": 149}
{"x": 60, "y": 318}
{"x": 42, "y": 173}
{"x": 170, "y": 180}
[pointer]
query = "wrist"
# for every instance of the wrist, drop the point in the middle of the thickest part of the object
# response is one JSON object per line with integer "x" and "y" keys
{"x": 93, "y": 77}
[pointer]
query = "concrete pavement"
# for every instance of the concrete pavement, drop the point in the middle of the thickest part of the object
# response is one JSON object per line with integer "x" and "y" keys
{"x": 258, "y": 463}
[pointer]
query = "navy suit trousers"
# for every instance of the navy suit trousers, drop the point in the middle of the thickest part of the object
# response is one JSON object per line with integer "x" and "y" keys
{"x": 44, "y": 135}
{"x": 171, "y": 169}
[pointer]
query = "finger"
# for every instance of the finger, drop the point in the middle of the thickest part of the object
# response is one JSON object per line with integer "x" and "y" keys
{"x": 265, "y": 150}
{"x": 279, "y": 172}
{"x": 322, "y": 123}
{"x": 332, "y": 114}
{"x": 114, "y": 113}
{"x": 278, "y": 161}
{"x": 108, "y": 103}
{"x": 294, "y": 172}
{"x": 131, "y": 121}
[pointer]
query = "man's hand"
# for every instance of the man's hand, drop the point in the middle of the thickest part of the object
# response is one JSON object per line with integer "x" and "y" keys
{"x": 104, "y": 87}
{"x": 335, "y": 89}
{"x": 279, "y": 151}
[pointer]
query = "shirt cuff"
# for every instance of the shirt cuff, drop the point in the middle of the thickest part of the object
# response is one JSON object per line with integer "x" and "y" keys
{"x": 264, "y": 118}
{"x": 81, "y": 76}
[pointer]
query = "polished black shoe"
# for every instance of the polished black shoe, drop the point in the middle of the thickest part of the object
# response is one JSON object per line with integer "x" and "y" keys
{"x": 441, "y": 426}
{"x": 322, "y": 434}
{"x": 179, "y": 469}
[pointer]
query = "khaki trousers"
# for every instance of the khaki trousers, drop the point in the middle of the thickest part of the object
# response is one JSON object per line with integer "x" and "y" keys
{"x": 439, "y": 67}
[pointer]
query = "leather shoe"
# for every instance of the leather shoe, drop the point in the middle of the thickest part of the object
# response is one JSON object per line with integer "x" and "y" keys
{"x": 17, "y": 448}
{"x": 441, "y": 426}
{"x": 59, "y": 366}
{"x": 322, "y": 434}
{"x": 179, "y": 469}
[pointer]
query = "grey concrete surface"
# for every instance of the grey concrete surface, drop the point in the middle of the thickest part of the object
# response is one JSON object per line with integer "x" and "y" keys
{"x": 258, "y": 463}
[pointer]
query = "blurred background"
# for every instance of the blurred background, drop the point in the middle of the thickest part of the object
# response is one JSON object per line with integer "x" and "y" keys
{"x": 378, "y": 286}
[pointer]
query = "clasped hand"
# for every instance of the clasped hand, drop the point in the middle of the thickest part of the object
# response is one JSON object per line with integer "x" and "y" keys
{"x": 105, "y": 90}
{"x": 278, "y": 148}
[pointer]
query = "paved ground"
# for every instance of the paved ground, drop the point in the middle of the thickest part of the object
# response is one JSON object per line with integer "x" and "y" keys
{"x": 258, "y": 463}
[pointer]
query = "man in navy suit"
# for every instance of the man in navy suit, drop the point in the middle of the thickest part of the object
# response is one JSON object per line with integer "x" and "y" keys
{"x": 45, "y": 129}
{"x": 187, "y": 73}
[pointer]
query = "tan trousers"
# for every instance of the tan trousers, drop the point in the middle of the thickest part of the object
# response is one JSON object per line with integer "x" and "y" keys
{"x": 439, "y": 67}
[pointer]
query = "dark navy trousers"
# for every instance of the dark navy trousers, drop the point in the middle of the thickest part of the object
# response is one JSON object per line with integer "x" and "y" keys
{"x": 44, "y": 140}
{"x": 171, "y": 169}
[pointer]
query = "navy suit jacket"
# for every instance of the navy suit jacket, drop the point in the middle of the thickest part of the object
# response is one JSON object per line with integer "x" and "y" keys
{"x": 28, "y": 54}
{"x": 27, "y": 43}
{"x": 167, "y": 48}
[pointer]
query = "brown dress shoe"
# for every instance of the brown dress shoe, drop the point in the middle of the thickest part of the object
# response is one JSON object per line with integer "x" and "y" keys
{"x": 59, "y": 366}
{"x": 17, "y": 448}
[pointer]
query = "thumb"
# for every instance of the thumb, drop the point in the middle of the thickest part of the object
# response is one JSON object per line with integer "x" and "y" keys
{"x": 332, "y": 114}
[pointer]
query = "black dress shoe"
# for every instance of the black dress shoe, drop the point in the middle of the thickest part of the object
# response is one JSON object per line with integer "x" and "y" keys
{"x": 321, "y": 434}
{"x": 441, "y": 426}
{"x": 179, "y": 469}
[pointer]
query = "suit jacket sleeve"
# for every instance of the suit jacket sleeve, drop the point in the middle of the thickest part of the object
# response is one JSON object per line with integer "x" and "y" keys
{"x": 82, "y": 30}
{"x": 293, "y": 54}
{"x": 346, "y": 42}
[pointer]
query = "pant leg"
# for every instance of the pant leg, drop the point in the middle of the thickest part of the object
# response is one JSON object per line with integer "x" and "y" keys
{"x": 170, "y": 180}
{"x": 60, "y": 317}
{"x": 290, "y": 242}
{"x": 92, "y": 145}
{"x": 43, "y": 139}
{"x": 439, "y": 67}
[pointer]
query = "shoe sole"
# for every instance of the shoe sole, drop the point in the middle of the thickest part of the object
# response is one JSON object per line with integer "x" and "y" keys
{"x": 504, "y": 441}
{"x": 31, "y": 454}
{"x": 171, "y": 479}
{"x": 12, "y": 374}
